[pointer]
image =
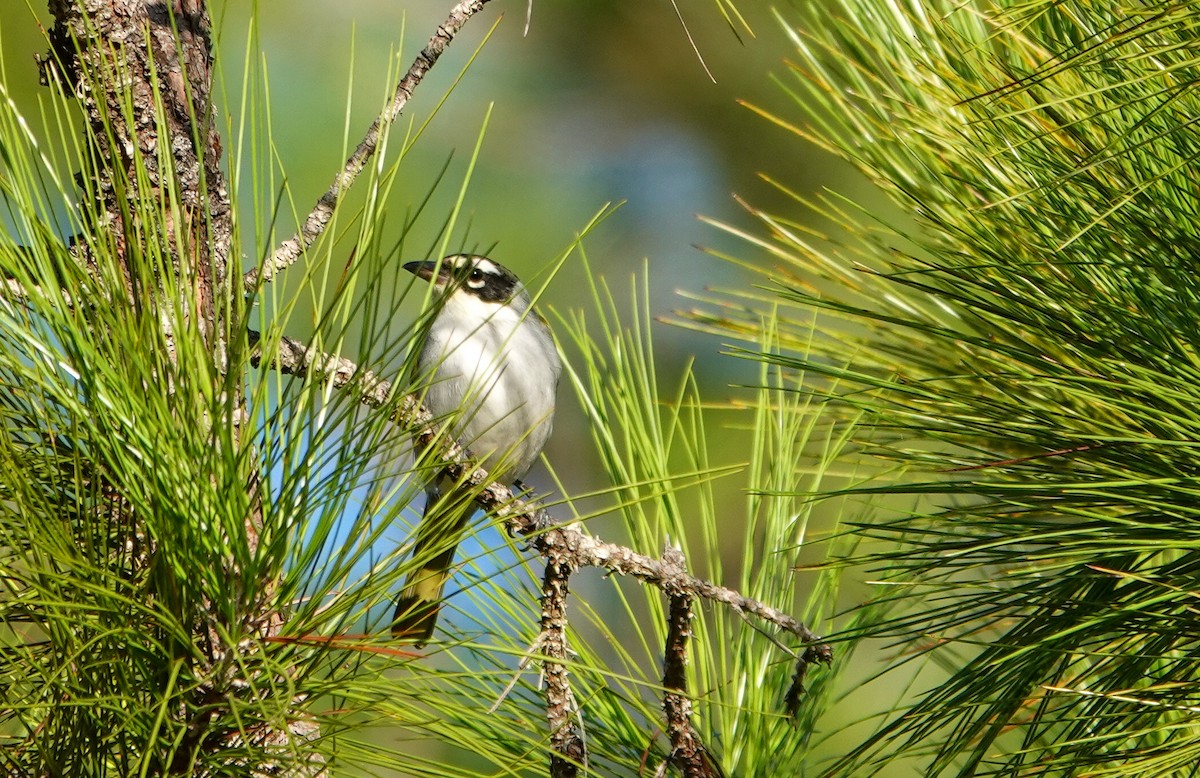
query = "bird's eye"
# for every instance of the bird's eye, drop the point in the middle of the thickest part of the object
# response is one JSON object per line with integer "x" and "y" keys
{"x": 475, "y": 278}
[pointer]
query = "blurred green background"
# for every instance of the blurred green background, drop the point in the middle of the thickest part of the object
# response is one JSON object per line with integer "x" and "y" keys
{"x": 600, "y": 102}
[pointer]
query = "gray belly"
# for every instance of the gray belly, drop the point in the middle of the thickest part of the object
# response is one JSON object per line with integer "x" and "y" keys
{"x": 502, "y": 411}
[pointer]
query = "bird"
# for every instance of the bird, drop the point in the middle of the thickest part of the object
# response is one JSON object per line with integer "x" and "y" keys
{"x": 493, "y": 370}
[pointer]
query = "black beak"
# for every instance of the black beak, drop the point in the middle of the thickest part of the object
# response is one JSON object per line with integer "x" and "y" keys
{"x": 426, "y": 270}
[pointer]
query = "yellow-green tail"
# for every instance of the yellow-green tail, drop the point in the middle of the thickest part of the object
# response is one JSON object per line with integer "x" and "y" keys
{"x": 418, "y": 604}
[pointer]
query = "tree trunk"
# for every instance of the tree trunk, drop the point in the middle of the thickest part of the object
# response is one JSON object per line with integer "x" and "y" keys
{"x": 155, "y": 194}
{"x": 122, "y": 57}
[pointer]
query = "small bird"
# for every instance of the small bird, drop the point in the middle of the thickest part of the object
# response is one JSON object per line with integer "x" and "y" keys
{"x": 493, "y": 370}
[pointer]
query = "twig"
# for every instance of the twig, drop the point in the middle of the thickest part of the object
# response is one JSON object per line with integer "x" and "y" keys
{"x": 318, "y": 219}
{"x": 687, "y": 751}
{"x": 568, "y": 751}
{"x": 587, "y": 551}
{"x": 296, "y": 359}
{"x": 819, "y": 652}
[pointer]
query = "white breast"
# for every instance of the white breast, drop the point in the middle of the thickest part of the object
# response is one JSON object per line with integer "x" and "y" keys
{"x": 495, "y": 375}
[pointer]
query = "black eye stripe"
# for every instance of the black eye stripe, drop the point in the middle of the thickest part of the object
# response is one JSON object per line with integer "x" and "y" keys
{"x": 483, "y": 278}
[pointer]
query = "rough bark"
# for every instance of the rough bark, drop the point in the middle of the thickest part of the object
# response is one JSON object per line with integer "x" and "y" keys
{"x": 120, "y": 57}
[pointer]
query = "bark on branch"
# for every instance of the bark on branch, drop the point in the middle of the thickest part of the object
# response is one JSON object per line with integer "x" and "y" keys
{"x": 687, "y": 750}
{"x": 566, "y": 740}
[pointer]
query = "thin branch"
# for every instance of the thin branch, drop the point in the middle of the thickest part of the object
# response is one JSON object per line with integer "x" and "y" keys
{"x": 568, "y": 751}
{"x": 295, "y": 359}
{"x": 318, "y": 219}
{"x": 687, "y": 751}
{"x": 522, "y": 518}
{"x": 819, "y": 652}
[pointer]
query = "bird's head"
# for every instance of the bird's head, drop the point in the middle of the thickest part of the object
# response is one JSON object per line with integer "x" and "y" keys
{"x": 472, "y": 275}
